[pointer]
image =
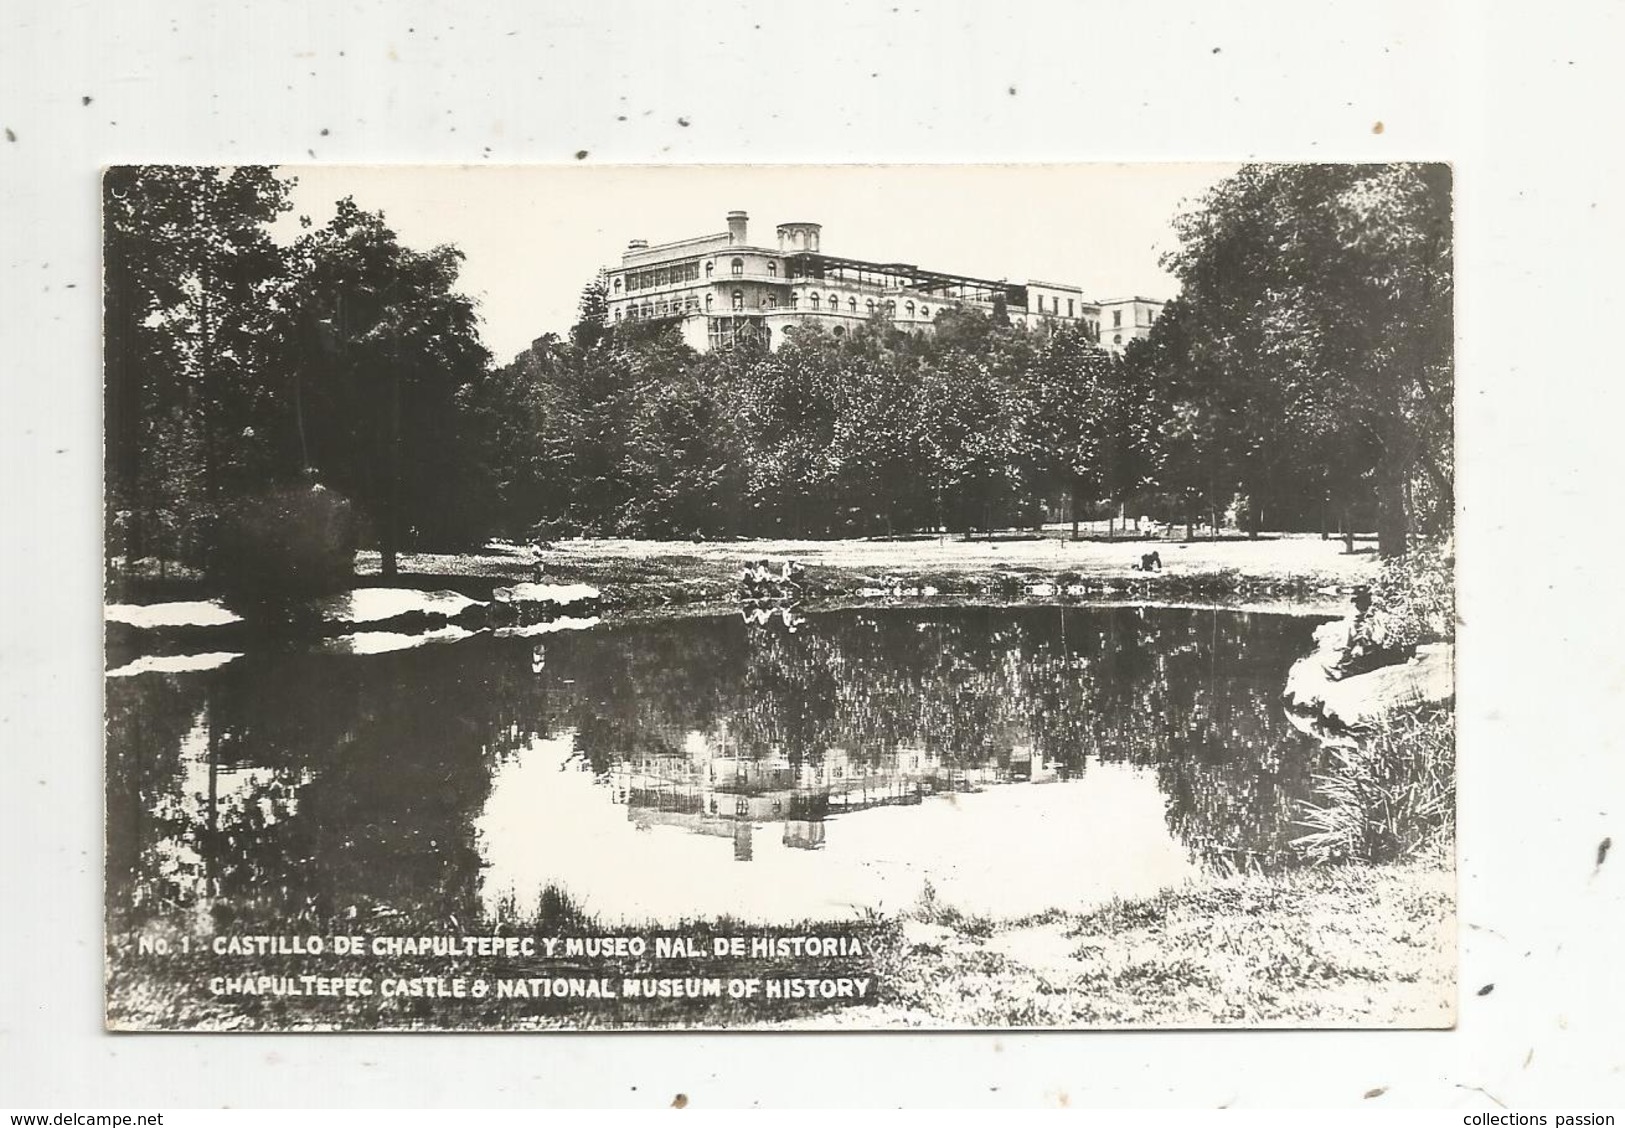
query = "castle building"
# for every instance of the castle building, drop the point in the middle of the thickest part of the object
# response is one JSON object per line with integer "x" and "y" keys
{"x": 721, "y": 288}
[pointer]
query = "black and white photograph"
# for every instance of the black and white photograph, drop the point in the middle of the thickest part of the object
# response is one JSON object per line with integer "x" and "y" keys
{"x": 780, "y": 597}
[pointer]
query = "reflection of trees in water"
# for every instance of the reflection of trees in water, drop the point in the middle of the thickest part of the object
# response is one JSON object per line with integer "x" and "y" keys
{"x": 356, "y": 780}
{"x": 1192, "y": 695}
{"x": 318, "y": 782}
{"x": 148, "y": 719}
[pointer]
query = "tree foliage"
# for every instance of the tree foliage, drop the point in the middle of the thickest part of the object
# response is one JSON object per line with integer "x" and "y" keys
{"x": 240, "y": 364}
{"x": 1316, "y": 325}
{"x": 395, "y": 345}
{"x": 194, "y": 343}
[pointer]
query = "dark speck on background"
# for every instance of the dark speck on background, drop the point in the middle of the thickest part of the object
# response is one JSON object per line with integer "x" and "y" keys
{"x": 1602, "y": 850}
{"x": 1370, "y": 1094}
{"x": 680, "y": 1101}
{"x": 1012, "y": 91}
{"x": 581, "y": 154}
{"x": 1486, "y": 989}
{"x": 84, "y": 99}
{"x": 10, "y": 136}
{"x": 683, "y": 122}
{"x": 1377, "y": 128}
{"x": 324, "y": 133}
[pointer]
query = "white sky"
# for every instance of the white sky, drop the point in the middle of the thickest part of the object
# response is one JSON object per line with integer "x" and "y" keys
{"x": 534, "y": 235}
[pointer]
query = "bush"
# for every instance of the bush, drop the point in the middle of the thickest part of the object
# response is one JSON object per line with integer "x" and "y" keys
{"x": 1413, "y": 601}
{"x": 1390, "y": 796}
{"x": 289, "y": 544}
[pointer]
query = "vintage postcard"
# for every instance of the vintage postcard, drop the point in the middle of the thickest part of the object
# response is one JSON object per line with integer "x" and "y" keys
{"x": 826, "y": 597}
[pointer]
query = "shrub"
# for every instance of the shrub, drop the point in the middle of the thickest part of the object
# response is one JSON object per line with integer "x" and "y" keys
{"x": 1413, "y": 600}
{"x": 288, "y": 544}
{"x": 1390, "y": 796}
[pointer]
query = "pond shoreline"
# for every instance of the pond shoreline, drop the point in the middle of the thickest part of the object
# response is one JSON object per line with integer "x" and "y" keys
{"x": 638, "y": 580}
{"x": 649, "y": 575}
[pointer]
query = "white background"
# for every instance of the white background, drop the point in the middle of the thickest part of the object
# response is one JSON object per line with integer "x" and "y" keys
{"x": 1524, "y": 99}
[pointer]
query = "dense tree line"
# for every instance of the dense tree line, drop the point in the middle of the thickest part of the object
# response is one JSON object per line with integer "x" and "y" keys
{"x": 259, "y": 382}
{"x": 874, "y": 431}
{"x": 1309, "y": 361}
{"x": 263, "y": 394}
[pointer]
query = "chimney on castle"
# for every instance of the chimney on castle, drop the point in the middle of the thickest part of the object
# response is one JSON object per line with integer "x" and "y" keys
{"x": 736, "y": 227}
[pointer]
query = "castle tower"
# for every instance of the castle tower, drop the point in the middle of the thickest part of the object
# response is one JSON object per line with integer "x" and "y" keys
{"x": 795, "y": 237}
{"x": 736, "y": 227}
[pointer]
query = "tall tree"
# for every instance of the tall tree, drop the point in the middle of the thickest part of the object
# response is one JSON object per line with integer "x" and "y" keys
{"x": 398, "y": 344}
{"x": 1071, "y": 414}
{"x": 1328, "y": 290}
{"x": 592, "y": 320}
{"x": 193, "y": 289}
{"x": 518, "y": 456}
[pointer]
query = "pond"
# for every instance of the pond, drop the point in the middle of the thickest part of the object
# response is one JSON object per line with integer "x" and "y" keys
{"x": 999, "y": 760}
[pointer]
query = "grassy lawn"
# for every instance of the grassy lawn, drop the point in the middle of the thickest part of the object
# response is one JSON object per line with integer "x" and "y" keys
{"x": 1335, "y": 946}
{"x": 1362, "y": 946}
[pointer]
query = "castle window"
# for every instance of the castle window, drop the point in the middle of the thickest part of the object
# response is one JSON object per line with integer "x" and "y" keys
{"x": 773, "y": 269}
{"x": 708, "y": 303}
{"x": 1117, "y": 339}
{"x": 815, "y": 301}
{"x": 1117, "y": 321}
{"x": 739, "y": 299}
{"x": 617, "y": 315}
{"x": 871, "y": 306}
{"x": 708, "y": 267}
{"x": 795, "y": 299}
{"x": 852, "y": 304}
{"x": 772, "y": 302}
{"x": 738, "y": 267}
{"x": 648, "y": 309}
{"x": 1070, "y": 311}
{"x": 617, "y": 283}
{"x": 834, "y": 302}
{"x": 908, "y": 307}
{"x": 924, "y": 312}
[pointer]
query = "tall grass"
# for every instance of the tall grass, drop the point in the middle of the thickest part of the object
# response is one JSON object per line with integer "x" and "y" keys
{"x": 1413, "y": 600}
{"x": 1390, "y": 796}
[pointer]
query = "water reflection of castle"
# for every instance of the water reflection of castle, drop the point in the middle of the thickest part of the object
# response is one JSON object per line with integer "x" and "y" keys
{"x": 710, "y": 788}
